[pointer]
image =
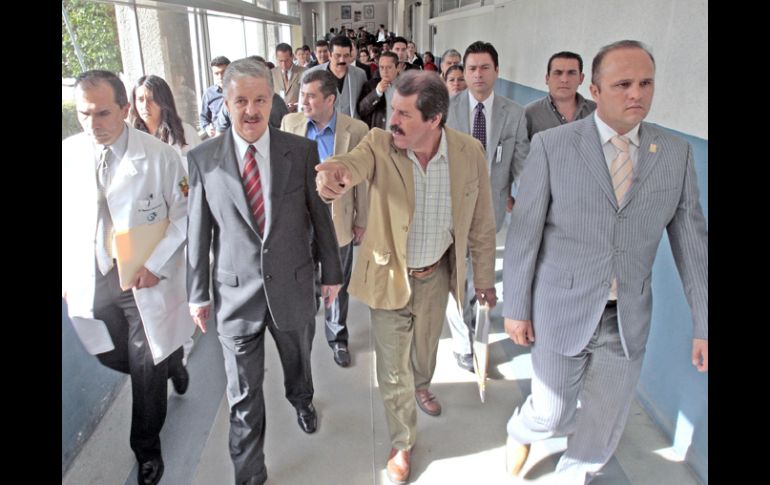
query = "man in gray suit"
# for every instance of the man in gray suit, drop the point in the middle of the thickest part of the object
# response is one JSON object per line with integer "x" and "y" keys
{"x": 501, "y": 127}
{"x": 252, "y": 200}
{"x": 350, "y": 79}
{"x": 595, "y": 197}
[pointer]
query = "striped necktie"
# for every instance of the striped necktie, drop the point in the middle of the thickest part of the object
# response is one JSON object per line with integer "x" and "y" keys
{"x": 253, "y": 187}
{"x": 622, "y": 172}
{"x": 621, "y": 168}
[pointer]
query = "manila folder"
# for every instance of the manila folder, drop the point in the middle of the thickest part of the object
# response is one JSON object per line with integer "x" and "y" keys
{"x": 135, "y": 246}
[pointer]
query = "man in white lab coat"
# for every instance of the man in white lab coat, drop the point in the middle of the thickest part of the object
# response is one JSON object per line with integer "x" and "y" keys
{"x": 116, "y": 178}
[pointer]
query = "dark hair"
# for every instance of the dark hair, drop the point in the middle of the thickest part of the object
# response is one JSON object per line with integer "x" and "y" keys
{"x": 398, "y": 39}
{"x": 321, "y": 43}
{"x": 390, "y": 54}
{"x": 283, "y": 47}
{"x": 453, "y": 67}
{"x": 432, "y": 93}
{"x": 565, "y": 55}
{"x": 269, "y": 65}
{"x": 342, "y": 41}
{"x": 220, "y": 61}
{"x": 429, "y": 54}
{"x": 481, "y": 47}
{"x": 328, "y": 83}
{"x": 170, "y": 127}
{"x": 95, "y": 76}
{"x": 306, "y": 48}
{"x": 621, "y": 44}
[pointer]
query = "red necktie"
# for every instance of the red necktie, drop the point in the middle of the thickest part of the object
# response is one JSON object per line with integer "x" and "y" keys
{"x": 253, "y": 187}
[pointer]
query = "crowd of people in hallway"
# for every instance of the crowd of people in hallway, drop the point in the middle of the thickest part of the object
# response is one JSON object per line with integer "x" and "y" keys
{"x": 253, "y": 217}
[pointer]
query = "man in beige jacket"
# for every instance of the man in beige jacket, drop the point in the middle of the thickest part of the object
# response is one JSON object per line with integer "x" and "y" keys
{"x": 335, "y": 134}
{"x": 429, "y": 203}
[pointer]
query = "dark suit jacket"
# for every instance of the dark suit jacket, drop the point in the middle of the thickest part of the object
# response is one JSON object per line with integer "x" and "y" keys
{"x": 252, "y": 275}
{"x": 372, "y": 108}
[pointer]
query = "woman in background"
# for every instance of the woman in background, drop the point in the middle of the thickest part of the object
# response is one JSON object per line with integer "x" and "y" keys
{"x": 153, "y": 111}
{"x": 455, "y": 79}
{"x": 428, "y": 61}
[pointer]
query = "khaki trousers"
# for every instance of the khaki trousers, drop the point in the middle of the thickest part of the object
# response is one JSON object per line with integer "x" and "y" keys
{"x": 406, "y": 342}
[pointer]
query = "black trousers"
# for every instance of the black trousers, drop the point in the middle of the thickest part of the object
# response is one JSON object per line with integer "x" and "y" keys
{"x": 132, "y": 355}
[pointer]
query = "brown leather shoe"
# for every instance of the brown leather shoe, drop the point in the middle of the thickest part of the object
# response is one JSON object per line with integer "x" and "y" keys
{"x": 398, "y": 466}
{"x": 515, "y": 456}
{"x": 428, "y": 402}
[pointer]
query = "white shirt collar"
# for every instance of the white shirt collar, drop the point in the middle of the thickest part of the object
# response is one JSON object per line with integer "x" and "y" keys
{"x": 487, "y": 102}
{"x": 262, "y": 144}
{"x": 606, "y": 132}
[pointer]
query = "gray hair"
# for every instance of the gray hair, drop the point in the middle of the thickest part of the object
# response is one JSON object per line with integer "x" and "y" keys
{"x": 621, "y": 44}
{"x": 327, "y": 82}
{"x": 246, "y": 68}
{"x": 432, "y": 93}
{"x": 451, "y": 53}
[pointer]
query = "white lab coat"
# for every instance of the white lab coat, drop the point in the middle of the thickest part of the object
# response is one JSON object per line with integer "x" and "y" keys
{"x": 146, "y": 189}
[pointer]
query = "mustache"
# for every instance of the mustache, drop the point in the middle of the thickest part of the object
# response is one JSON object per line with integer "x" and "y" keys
{"x": 397, "y": 129}
{"x": 253, "y": 118}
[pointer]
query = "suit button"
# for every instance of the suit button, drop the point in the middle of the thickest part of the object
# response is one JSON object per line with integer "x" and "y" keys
{"x": 265, "y": 250}
{"x": 405, "y": 228}
{"x": 606, "y": 284}
{"x": 268, "y": 277}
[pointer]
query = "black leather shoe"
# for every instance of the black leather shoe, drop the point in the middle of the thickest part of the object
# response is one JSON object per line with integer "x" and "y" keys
{"x": 341, "y": 354}
{"x": 180, "y": 380}
{"x": 307, "y": 418}
{"x": 465, "y": 361}
{"x": 150, "y": 471}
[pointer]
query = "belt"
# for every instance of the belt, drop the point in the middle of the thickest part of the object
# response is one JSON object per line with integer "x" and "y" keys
{"x": 611, "y": 304}
{"x": 425, "y": 270}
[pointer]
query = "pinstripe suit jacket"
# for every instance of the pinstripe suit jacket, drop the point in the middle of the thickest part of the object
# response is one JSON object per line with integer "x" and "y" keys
{"x": 568, "y": 237}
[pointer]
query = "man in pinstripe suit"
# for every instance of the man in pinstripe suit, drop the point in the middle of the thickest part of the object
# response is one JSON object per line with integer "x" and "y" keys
{"x": 595, "y": 197}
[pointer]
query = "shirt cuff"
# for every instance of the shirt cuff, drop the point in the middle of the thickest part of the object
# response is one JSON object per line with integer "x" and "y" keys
{"x": 195, "y": 306}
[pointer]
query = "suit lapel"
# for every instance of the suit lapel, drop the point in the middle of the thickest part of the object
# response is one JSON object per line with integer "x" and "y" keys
{"x": 295, "y": 75}
{"x": 589, "y": 146}
{"x": 462, "y": 111}
{"x": 647, "y": 157}
{"x": 280, "y": 167}
{"x": 341, "y": 136}
{"x": 457, "y": 164}
{"x": 404, "y": 168}
{"x": 499, "y": 114}
{"x": 227, "y": 159}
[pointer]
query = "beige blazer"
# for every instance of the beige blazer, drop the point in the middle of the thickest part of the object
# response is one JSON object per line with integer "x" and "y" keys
{"x": 291, "y": 92}
{"x": 350, "y": 209}
{"x": 380, "y": 275}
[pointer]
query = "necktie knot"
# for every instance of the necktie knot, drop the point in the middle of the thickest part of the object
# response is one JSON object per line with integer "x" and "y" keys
{"x": 620, "y": 142}
{"x": 480, "y": 107}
